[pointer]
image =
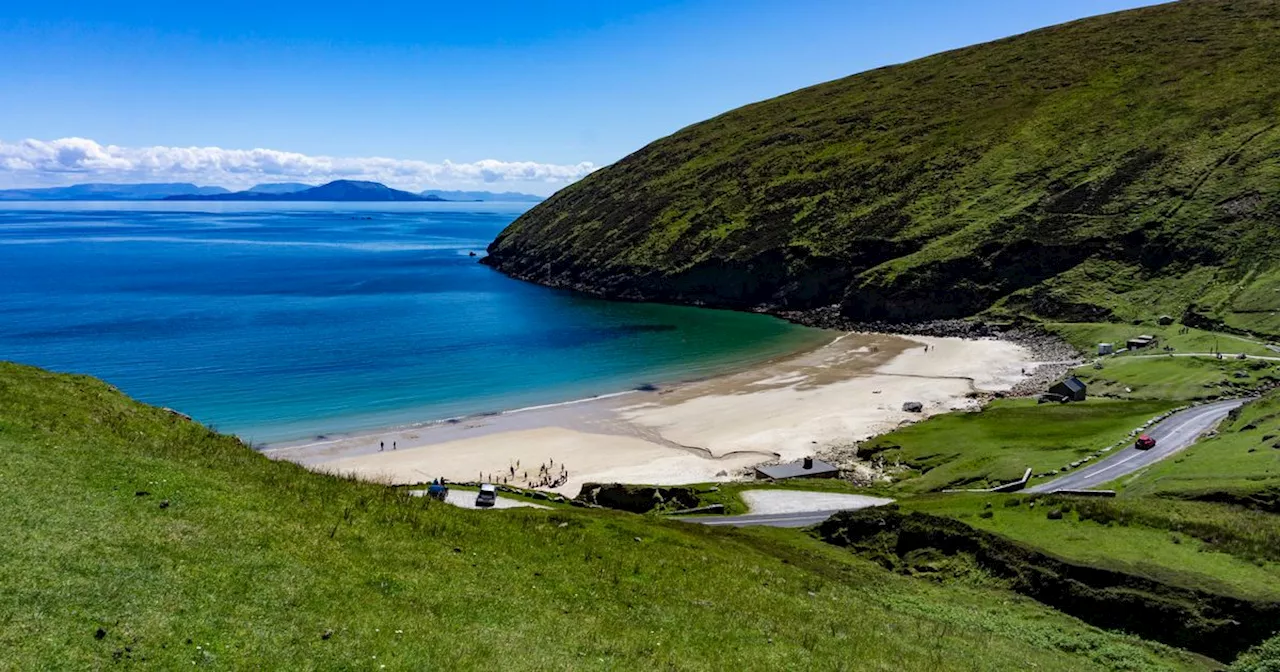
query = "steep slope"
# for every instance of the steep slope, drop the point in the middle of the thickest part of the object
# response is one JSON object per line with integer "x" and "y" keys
{"x": 1101, "y": 169}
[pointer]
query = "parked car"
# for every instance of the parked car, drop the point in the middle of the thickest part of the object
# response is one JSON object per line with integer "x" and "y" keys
{"x": 488, "y": 496}
{"x": 438, "y": 490}
{"x": 1144, "y": 442}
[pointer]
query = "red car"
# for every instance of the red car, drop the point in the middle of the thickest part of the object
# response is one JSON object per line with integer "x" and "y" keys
{"x": 1145, "y": 442}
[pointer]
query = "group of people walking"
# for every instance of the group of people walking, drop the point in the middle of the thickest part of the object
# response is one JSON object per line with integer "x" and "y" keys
{"x": 548, "y": 475}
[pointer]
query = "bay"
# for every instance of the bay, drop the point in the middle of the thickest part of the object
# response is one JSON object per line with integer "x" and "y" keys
{"x": 281, "y": 321}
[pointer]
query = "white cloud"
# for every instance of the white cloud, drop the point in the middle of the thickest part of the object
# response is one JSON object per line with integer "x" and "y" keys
{"x": 69, "y": 160}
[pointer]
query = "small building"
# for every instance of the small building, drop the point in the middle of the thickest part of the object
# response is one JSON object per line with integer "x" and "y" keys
{"x": 1143, "y": 341}
{"x": 806, "y": 468}
{"x": 1106, "y": 349}
{"x": 1071, "y": 389}
{"x": 1165, "y": 320}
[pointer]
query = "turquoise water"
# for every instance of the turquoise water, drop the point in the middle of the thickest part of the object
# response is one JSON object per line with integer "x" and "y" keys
{"x": 283, "y": 321}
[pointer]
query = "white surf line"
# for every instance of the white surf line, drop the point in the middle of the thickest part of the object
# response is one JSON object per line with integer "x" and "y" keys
{"x": 584, "y": 400}
{"x": 429, "y": 424}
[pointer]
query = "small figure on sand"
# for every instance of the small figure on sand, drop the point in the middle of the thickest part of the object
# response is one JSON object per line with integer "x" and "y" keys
{"x": 381, "y": 446}
{"x": 393, "y": 445}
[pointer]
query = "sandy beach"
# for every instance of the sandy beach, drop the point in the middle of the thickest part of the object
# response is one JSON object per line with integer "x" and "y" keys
{"x": 845, "y": 391}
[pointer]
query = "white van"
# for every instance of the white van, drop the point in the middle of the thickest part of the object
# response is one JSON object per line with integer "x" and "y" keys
{"x": 488, "y": 496}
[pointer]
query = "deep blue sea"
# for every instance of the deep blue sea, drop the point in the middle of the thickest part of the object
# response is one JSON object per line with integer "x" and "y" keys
{"x": 283, "y": 321}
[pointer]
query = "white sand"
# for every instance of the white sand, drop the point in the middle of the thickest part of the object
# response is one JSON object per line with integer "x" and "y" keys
{"x": 805, "y": 415}
{"x": 843, "y": 392}
{"x": 594, "y": 458}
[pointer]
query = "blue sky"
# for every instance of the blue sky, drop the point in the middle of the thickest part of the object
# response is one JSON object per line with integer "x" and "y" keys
{"x": 529, "y": 85}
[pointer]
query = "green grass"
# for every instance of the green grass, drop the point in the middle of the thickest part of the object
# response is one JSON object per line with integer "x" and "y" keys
{"x": 1086, "y": 336}
{"x": 253, "y": 562}
{"x": 1189, "y": 544}
{"x": 1110, "y": 169}
{"x": 1177, "y": 378}
{"x": 995, "y": 445}
{"x": 1240, "y": 463}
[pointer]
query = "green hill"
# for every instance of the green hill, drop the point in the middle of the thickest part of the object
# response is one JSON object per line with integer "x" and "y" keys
{"x": 134, "y": 537}
{"x": 1109, "y": 168}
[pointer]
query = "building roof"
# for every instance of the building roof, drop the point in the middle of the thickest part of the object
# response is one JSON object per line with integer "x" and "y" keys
{"x": 794, "y": 469}
{"x": 1074, "y": 384}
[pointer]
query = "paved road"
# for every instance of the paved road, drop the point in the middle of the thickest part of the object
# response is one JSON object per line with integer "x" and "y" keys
{"x": 466, "y": 499}
{"x": 803, "y": 519}
{"x": 1173, "y": 434}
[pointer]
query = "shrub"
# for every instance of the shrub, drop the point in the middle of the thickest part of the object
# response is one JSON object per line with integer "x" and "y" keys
{"x": 1264, "y": 657}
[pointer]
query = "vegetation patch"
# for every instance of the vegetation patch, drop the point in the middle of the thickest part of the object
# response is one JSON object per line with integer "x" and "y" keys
{"x": 1086, "y": 336}
{"x": 1178, "y": 378}
{"x": 1217, "y": 548}
{"x": 638, "y": 498}
{"x": 998, "y": 443}
{"x": 917, "y": 543}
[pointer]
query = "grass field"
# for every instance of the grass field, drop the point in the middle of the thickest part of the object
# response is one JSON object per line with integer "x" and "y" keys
{"x": 997, "y": 444}
{"x": 1177, "y": 378}
{"x": 1194, "y": 545}
{"x": 1086, "y": 336}
{"x": 133, "y": 537}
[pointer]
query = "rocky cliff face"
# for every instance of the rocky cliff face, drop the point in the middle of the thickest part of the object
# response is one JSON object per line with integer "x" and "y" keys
{"x": 1108, "y": 168}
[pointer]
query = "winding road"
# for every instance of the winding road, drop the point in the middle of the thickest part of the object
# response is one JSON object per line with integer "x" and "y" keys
{"x": 1172, "y": 435}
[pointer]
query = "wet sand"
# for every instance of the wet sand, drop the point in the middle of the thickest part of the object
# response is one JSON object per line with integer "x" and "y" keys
{"x": 845, "y": 391}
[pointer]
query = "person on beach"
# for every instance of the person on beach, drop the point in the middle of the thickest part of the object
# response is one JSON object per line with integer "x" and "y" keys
{"x": 381, "y": 445}
{"x": 393, "y": 445}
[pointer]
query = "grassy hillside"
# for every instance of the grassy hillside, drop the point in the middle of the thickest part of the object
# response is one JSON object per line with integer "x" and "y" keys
{"x": 1116, "y": 167}
{"x": 1194, "y": 545}
{"x": 137, "y": 538}
{"x": 996, "y": 445}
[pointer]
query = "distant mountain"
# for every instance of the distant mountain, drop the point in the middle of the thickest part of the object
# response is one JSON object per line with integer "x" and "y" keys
{"x": 338, "y": 190}
{"x": 279, "y": 187}
{"x": 508, "y": 196}
{"x": 109, "y": 192}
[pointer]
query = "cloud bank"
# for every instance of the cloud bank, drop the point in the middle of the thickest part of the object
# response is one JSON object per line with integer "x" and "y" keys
{"x": 73, "y": 160}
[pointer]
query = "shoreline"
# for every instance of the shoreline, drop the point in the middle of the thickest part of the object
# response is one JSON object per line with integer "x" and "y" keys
{"x": 717, "y": 428}
{"x": 646, "y": 388}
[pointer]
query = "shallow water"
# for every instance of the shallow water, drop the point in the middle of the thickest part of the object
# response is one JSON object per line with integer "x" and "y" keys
{"x": 280, "y": 321}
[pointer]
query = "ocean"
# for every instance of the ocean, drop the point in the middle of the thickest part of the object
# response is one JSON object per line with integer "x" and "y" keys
{"x": 284, "y": 321}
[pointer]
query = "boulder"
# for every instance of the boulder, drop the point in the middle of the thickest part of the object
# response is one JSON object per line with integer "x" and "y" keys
{"x": 913, "y": 407}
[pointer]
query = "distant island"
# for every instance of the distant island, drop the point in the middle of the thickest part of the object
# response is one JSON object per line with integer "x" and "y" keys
{"x": 339, "y": 190}
{"x": 109, "y": 192}
{"x": 508, "y": 196}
